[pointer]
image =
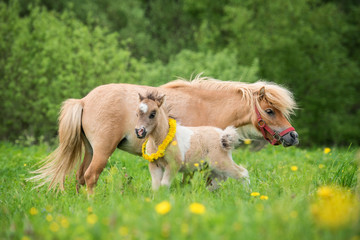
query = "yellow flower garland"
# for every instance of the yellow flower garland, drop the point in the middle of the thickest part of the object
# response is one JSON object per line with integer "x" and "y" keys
{"x": 162, "y": 147}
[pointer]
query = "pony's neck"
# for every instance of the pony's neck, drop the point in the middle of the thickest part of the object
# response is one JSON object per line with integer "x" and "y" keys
{"x": 161, "y": 130}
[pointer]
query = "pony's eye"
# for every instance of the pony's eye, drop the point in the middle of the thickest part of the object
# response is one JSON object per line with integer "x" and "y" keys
{"x": 152, "y": 115}
{"x": 270, "y": 111}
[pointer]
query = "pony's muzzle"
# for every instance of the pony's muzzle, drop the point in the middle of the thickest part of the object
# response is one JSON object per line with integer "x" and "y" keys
{"x": 290, "y": 139}
{"x": 140, "y": 132}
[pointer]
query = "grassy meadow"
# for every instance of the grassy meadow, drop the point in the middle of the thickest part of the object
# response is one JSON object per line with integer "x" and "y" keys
{"x": 294, "y": 194}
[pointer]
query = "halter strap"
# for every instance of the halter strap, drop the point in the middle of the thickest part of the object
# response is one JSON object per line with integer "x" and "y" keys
{"x": 264, "y": 127}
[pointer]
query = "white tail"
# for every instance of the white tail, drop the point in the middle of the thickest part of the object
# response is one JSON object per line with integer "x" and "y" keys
{"x": 229, "y": 138}
{"x": 62, "y": 161}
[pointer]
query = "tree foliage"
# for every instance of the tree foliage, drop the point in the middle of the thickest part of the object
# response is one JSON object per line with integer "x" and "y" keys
{"x": 53, "y": 50}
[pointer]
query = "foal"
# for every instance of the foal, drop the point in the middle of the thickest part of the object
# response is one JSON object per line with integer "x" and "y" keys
{"x": 171, "y": 148}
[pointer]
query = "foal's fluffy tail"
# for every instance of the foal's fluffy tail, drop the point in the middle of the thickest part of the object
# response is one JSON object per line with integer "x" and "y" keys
{"x": 229, "y": 138}
{"x": 63, "y": 160}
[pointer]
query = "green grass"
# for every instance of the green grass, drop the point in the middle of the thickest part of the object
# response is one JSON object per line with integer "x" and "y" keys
{"x": 124, "y": 204}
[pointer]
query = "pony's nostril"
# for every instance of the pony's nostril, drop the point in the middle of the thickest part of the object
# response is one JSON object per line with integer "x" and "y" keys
{"x": 294, "y": 135}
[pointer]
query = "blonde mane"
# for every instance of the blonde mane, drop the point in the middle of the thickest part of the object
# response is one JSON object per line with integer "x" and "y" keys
{"x": 281, "y": 98}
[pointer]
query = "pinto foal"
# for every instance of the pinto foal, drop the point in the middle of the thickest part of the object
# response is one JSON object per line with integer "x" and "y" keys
{"x": 187, "y": 149}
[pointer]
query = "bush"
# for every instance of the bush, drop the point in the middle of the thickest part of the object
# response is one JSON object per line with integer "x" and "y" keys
{"x": 47, "y": 57}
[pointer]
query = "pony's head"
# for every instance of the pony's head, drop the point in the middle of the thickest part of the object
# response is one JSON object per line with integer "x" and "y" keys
{"x": 148, "y": 113}
{"x": 272, "y": 109}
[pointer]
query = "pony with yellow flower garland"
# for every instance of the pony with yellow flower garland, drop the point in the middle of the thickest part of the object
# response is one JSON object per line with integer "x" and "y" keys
{"x": 171, "y": 148}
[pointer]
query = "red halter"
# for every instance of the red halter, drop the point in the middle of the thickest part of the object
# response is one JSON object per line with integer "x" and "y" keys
{"x": 263, "y": 127}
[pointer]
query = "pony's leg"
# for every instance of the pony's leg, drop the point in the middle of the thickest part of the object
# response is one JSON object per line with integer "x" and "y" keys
{"x": 156, "y": 175}
{"x": 98, "y": 163}
{"x": 84, "y": 165}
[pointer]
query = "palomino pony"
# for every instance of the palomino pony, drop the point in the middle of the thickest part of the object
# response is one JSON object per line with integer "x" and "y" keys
{"x": 105, "y": 120}
{"x": 171, "y": 148}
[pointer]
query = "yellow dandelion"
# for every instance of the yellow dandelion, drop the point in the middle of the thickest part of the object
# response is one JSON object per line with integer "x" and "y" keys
{"x": 327, "y": 150}
{"x": 321, "y": 166}
{"x": 325, "y": 192}
{"x": 255, "y": 194}
{"x": 335, "y": 207}
{"x": 33, "y": 211}
{"x": 25, "y": 238}
{"x": 163, "y": 208}
{"x": 54, "y": 227}
{"x": 64, "y": 222}
{"x": 247, "y": 141}
{"x": 174, "y": 143}
{"x": 24, "y": 164}
{"x": 293, "y": 214}
{"x": 92, "y": 219}
{"x": 202, "y": 161}
{"x": 147, "y": 199}
{"x": 264, "y": 197}
{"x": 197, "y": 208}
{"x": 49, "y": 208}
{"x": 123, "y": 231}
{"x": 196, "y": 164}
{"x": 294, "y": 168}
{"x": 184, "y": 228}
{"x": 49, "y": 218}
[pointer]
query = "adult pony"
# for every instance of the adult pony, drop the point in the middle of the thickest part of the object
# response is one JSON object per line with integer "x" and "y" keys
{"x": 105, "y": 120}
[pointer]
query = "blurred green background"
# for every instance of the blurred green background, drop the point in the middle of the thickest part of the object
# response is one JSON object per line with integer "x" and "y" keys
{"x": 53, "y": 50}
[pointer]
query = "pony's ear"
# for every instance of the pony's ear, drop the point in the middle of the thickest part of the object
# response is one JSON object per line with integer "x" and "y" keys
{"x": 141, "y": 97}
{"x": 262, "y": 93}
{"x": 160, "y": 100}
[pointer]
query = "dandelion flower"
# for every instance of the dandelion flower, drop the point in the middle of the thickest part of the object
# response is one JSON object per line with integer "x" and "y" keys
{"x": 197, "y": 208}
{"x": 247, "y": 141}
{"x": 293, "y": 214}
{"x": 49, "y": 218}
{"x": 202, "y": 161}
{"x": 324, "y": 192}
{"x": 25, "y": 238}
{"x": 54, "y": 227}
{"x": 321, "y": 166}
{"x": 33, "y": 211}
{"x": 327, "y": 150}
{"x": 184, "y": 228}
{"x": 294, "y": 168}
{"x": 196, "y": 164}
{"x": 64, "y": 222}
{"x": 25, "y": 164}
{"x": 92, "y": 219}
{"x": 255, "y": 194}
{"x": 49, "y": 208}
{"x": 334, "y": 207}
{"x": 123, "y": 231}
{"x": 163, "y": 208}
{"x": 174, "y": 143}
{"x": 264, "y": 197}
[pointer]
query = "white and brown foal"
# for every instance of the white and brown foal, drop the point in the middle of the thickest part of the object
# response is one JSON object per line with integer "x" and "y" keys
{"x": 190, "y": 148}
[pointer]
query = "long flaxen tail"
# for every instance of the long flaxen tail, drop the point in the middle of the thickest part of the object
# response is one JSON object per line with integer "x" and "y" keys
{"x": 229, "y": 138}
{"x": 62, "y": 161}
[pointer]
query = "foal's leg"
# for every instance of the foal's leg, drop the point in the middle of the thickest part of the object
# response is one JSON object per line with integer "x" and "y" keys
{"x": 170, "y": 172}
{"x": 237, "y": 172}
{"x": 156, "y": 175}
